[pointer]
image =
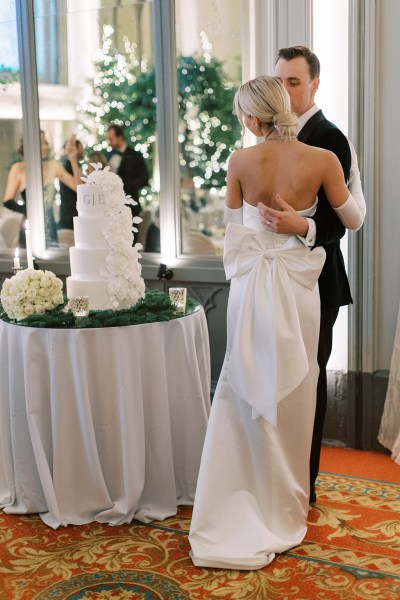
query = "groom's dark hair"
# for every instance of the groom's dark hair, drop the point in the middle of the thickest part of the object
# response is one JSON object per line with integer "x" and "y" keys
{"x": 292, "y": 52}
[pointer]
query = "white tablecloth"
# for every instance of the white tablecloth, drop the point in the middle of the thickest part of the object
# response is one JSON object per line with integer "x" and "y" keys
{"x": 389, "y": 430}
{"x": 102, "y": 424}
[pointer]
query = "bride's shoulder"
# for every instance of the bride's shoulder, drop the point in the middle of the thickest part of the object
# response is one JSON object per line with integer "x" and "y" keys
{"x": 241, "y": 154}
{"x": 235, "y": 158}
{"x": 324, "y": 155}
{"x": 316, "y": 150}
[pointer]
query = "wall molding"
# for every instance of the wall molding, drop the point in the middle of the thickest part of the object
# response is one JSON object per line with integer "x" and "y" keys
{"x": 363, "y": 248}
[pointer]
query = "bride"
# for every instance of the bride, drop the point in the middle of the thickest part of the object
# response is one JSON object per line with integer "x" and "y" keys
{"x": 252, "y": 493}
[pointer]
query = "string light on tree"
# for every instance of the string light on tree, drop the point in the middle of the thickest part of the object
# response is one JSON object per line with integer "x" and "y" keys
{"x": 123, "y": 92}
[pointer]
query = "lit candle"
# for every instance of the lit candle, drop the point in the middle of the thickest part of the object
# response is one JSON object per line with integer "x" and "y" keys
{"x": 16, "y": 259}
{"x": 28, "y": 246}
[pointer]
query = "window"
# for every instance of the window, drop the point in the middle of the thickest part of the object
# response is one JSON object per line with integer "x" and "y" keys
{"x": 10, "y": 128}
{"x": 96, "y": 66}
{"x": 209, "y": 70}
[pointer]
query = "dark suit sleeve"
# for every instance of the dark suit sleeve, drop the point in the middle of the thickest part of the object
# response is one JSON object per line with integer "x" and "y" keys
{"x": 328, "y": 225}
{"x": 133, "y": 172}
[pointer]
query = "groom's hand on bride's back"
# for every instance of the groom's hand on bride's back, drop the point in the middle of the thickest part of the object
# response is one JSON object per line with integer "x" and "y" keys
{"x": 283, "y": 218}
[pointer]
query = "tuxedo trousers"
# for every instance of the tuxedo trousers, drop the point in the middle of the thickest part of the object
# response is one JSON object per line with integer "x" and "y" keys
{"x": 328, "y": 318}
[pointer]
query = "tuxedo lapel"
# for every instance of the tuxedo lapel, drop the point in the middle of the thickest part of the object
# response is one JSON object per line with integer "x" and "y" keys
{"x": 306, "y": 131}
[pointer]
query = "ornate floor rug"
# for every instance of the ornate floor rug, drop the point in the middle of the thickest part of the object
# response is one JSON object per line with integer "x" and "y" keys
{"x": 352, "y": 550}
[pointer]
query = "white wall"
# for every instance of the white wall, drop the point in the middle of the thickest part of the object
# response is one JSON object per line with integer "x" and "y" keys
{"x": 330, "y": 44}
{"x": 387, "y": 200}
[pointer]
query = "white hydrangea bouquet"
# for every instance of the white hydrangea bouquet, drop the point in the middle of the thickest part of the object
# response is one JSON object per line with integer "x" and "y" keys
{"x": 123, "y": 269}
{"x": 31, "y": 292}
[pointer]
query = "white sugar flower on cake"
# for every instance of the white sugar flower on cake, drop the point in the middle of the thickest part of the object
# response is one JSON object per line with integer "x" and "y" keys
{"x": 105, "y": 177}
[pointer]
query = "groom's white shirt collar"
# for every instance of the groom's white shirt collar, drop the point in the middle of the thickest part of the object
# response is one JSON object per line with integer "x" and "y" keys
{"x": 301, "y": 121}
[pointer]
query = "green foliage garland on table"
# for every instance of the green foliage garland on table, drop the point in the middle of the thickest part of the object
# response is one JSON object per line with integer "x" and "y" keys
{"x": 155, "y": 307}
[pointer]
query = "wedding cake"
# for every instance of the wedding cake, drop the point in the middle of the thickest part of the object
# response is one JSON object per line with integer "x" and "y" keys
{"x": 104, "y": 262}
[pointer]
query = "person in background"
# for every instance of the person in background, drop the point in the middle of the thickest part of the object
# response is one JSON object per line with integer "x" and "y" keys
{"x": 67, "y": 194}
{"x": 51, "y": 170}
{"x": 128, "y": 164}
{"x": 298, "y": 68}
{"x": 95, "y": 157}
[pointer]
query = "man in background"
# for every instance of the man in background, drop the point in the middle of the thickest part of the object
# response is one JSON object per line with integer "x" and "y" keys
{"x": 128, "y": 164}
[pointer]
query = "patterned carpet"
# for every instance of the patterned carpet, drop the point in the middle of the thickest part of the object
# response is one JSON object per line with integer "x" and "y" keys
{"x": 352, "y": 550}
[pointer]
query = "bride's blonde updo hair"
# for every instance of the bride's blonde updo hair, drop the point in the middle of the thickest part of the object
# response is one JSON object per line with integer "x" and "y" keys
{"x": 266, "y": 98}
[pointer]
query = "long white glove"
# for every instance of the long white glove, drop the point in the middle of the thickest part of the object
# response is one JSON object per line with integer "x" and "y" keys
{"x": 233, "y": 215}
{"x": 352, "y": 212}
{"x": 354, "y": 183}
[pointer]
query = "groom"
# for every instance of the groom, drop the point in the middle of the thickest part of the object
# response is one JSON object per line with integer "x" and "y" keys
{"x": 298, "y": 68}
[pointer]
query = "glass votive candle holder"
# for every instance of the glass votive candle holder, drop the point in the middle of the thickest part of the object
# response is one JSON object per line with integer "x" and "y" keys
{"x": 79, "y": 305}
{"x": 177, "y": 295}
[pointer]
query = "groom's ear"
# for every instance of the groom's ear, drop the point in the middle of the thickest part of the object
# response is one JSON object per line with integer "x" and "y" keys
{"x": 315, "y": 85}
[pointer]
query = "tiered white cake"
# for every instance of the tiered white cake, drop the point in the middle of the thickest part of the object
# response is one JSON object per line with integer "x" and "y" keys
{"x": 104, "y": 263}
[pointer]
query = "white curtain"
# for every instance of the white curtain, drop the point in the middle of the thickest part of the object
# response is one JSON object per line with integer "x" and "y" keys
{"x": 389, "y": 431}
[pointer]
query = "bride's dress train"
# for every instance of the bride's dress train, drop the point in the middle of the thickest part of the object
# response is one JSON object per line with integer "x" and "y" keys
{"x": 253, "y": 487}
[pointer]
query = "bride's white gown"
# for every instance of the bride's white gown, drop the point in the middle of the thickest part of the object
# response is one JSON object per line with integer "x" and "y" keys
{"x": 253, "y": 487}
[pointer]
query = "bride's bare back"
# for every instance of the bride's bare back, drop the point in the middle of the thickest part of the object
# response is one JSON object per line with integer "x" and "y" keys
{"x": 291, "y": 169}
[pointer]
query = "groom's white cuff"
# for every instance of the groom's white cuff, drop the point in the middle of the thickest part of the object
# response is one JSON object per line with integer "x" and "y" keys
{"x": 309, "y": 239}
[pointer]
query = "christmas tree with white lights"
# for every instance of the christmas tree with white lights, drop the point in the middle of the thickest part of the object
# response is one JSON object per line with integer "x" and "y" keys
{"x": 124, "y": 92}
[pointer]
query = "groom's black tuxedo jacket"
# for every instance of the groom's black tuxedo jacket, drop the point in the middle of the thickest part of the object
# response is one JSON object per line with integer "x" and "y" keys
{"x": 333, "y": 282}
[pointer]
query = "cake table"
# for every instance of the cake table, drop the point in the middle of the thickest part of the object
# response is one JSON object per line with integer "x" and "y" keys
{"x": 103, "y": 424}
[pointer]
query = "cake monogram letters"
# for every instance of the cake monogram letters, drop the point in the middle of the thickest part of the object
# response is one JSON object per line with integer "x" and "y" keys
{"x": 93, "y": 198}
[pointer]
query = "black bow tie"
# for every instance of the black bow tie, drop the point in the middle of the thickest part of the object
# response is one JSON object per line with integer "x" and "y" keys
{"x": 118, "y": 152}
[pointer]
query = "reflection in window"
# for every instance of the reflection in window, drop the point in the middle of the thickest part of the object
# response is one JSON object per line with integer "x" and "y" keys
{"x": 48, "y": 38}
{"x": 208, "y": 72}
{"x": 103, "y": 54}
{"x": 11, "y": 159}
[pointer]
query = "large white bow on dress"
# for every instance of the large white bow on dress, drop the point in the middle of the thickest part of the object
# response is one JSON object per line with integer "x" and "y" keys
{"x": 267, "y": 359}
